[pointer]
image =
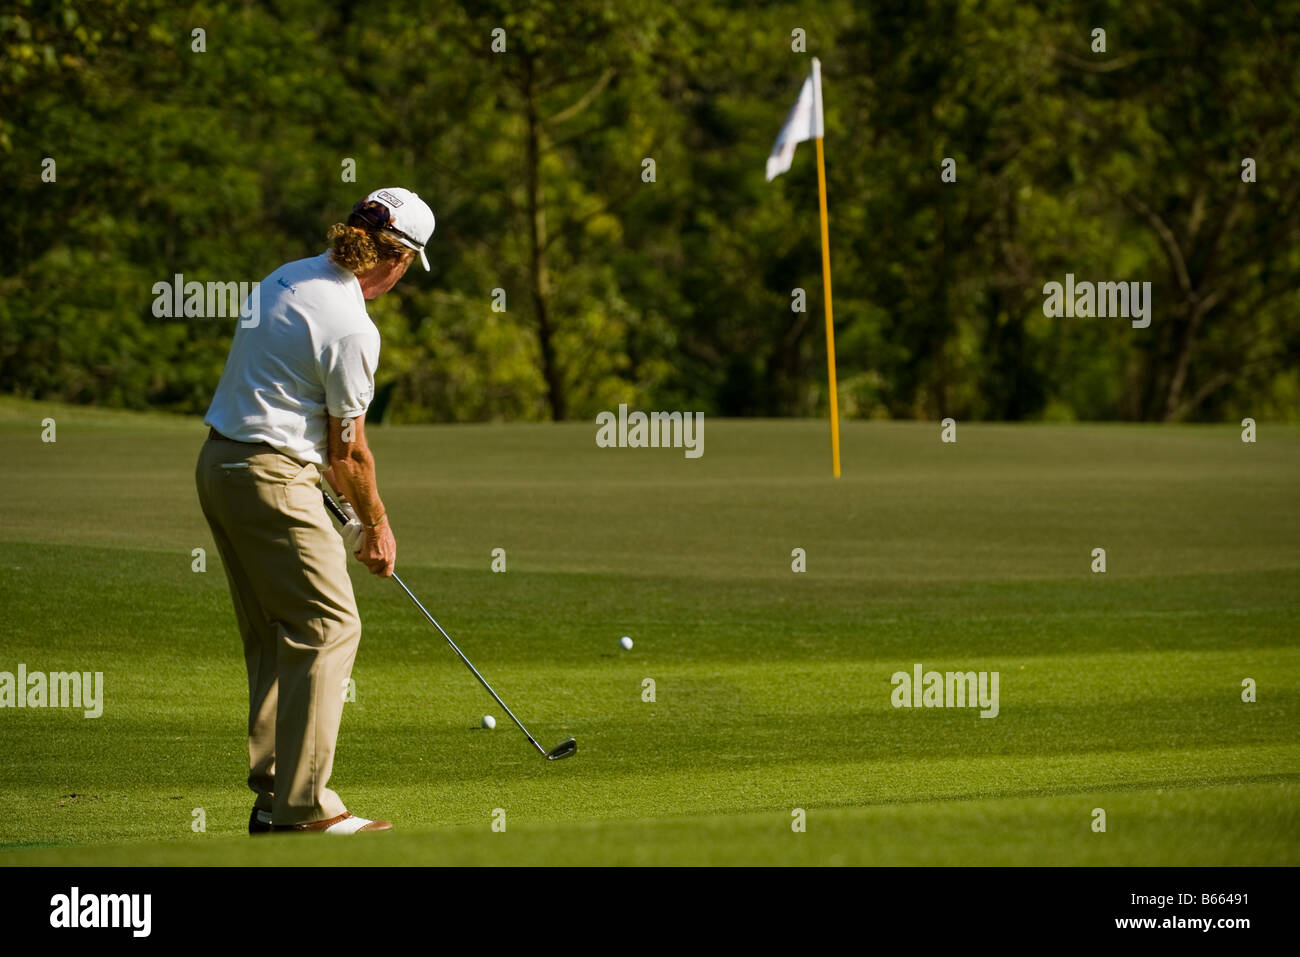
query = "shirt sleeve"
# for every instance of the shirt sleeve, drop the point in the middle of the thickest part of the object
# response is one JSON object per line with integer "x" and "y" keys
{"x": 348, "y": 370}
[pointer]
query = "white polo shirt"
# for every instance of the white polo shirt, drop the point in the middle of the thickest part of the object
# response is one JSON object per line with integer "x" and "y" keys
{"x": 312, "y": 351}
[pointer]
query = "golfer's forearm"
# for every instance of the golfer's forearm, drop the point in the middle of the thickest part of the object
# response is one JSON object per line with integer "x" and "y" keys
{"x": 354, "y": 479}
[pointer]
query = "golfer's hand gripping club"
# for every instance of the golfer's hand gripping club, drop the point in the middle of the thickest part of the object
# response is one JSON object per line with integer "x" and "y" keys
{"x": 352, "y": 530}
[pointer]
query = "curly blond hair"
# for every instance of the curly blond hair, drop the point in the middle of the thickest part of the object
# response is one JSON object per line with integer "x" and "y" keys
{"x": 359, "y": 248}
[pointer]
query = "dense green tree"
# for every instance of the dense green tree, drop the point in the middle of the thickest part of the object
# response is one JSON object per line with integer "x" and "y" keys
{"x": 220, "y": 154}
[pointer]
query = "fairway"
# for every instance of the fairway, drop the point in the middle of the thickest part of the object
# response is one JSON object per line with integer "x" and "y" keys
{"x": 772, "y": 689}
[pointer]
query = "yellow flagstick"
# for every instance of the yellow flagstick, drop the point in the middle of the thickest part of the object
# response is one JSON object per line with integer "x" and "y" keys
{"x": 826, "y": 283}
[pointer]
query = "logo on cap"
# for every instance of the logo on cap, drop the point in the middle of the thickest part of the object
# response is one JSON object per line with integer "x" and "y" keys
{"x": 391, "y": 201}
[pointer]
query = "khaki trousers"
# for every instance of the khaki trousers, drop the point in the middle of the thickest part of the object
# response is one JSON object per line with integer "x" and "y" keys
{"x": 293, "y": 600}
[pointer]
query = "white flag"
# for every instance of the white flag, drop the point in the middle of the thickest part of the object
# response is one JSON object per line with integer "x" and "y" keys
{"x": 803, "y": 123}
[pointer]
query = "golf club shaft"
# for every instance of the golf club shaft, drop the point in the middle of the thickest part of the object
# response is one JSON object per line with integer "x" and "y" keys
{"x": 339, "y": 515}
{"x": 468, "y": 664}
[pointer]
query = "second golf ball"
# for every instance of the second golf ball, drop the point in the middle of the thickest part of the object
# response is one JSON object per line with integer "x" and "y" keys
{"x": 626, "y": 642}
{"x": 489, "y": 722}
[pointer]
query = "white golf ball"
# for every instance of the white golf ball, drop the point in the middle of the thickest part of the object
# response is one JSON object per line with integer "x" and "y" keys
{"x": 489, "y": 722}
{"x": 626, "y": 642}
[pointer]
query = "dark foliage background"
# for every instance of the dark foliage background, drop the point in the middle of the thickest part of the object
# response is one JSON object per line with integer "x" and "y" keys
{"x": 220, "y": 165}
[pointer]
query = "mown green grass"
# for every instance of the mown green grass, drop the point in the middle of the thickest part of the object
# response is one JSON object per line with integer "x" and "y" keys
{"x": 1119, "y": 691}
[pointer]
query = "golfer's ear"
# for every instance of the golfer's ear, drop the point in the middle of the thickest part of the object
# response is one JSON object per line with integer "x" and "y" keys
{"x": 346, "y": 435}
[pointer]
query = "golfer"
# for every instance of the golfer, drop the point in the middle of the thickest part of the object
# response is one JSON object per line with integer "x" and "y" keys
{"x": 291, "y": 406}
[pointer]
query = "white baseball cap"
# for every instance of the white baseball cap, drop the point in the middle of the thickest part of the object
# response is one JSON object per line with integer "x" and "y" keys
{"x": 409, "y": 218}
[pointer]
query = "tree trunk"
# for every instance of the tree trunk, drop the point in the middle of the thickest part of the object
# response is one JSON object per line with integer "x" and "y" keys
{"x": 1186, "y": 338}
{"x": 537, "y": 263}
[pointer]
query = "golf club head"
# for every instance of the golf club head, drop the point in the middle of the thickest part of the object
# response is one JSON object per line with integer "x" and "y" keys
{"x": 565, "y": 749}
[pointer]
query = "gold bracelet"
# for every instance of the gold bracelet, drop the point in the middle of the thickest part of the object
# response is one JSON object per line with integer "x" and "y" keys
{"x": 382, "y": 518}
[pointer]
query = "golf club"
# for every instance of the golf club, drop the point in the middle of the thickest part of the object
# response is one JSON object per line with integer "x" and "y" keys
{"x": 566, "y": 748}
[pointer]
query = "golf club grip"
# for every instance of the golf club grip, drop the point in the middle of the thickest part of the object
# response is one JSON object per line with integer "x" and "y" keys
{"x": 333, "y": 507}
